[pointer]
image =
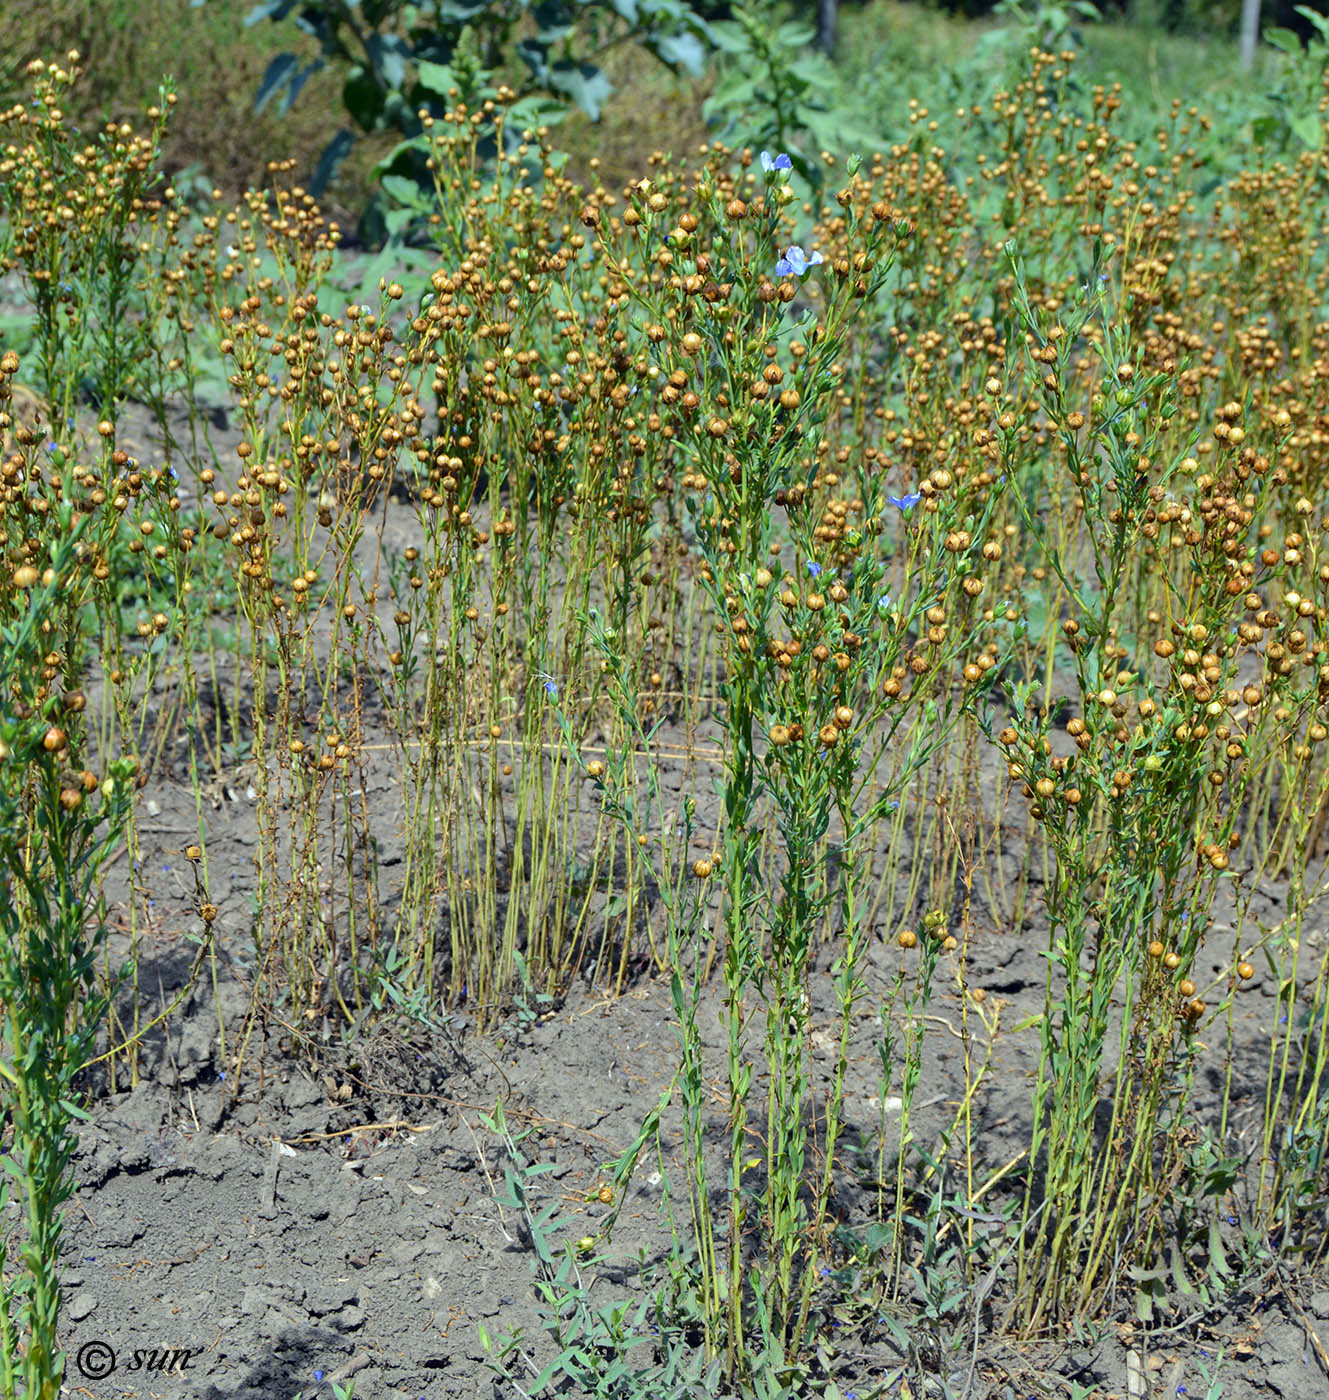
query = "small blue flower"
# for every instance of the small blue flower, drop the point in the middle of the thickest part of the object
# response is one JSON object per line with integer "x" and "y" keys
{"x": 318, "y": 1375}
{"x": 813, "y": 568}
{"x": 780, "y": 162}
{"x": 50, "y": 446}
{"x": 550, "y": 686}
{"x": 796, "y": 262}
{"x": 884, "y": 604}
{"x": 824, "y": 1271}
{"x": 905, "y": 502}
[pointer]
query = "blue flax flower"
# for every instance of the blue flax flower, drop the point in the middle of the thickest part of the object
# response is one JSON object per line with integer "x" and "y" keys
{"x": 814, "y": 568}
{"x": 770, "y": 163}
{"x": 905, "y": 502}
{"x": 796, "y": 262}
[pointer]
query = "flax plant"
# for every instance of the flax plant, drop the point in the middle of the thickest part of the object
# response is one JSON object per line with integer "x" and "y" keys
{"x": 821, "y": 674}
{"x": 80, "y": 264}
{"x": 61, "y": 825}
{"x": 1141, "y": 815}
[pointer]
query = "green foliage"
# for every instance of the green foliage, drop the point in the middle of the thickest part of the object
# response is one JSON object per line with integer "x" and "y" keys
{"x": 599, "y": 1347}
{"x": 406, "y": 63}
{"x": 772, "y": 91}
{"x": 1050, "y": 25}
{"x": 1296, "y": 118}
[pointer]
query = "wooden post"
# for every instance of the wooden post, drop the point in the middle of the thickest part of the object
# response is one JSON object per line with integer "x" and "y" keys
{"x": 826, "y": 25}
{"x": 1250, "y": 30}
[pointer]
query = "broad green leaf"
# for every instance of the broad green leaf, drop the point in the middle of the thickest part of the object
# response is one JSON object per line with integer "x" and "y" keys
{"x": 729, "y": 38}
{"x": 461, "y": 11}
{"x": 363, "y": 99}
{"x": 534, "y": 53}
{"x": 388, "y": 53}
{"x": 294, "y": 86}
{"x": 1286, "y": 40}
{"x": 279, "y": 71}
{"x": 435, "y": 77}
{"x": 1309, "y": 130}
{"x": 681, "y": 50}
{"x": 1321, "y": 22}
{"x": 554, "y": 21}
{"x": 330, "y": 162}
{"x": 268, "y": 9}
{"x": 584, "y": 83}
{"x": 405, "y": 191}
